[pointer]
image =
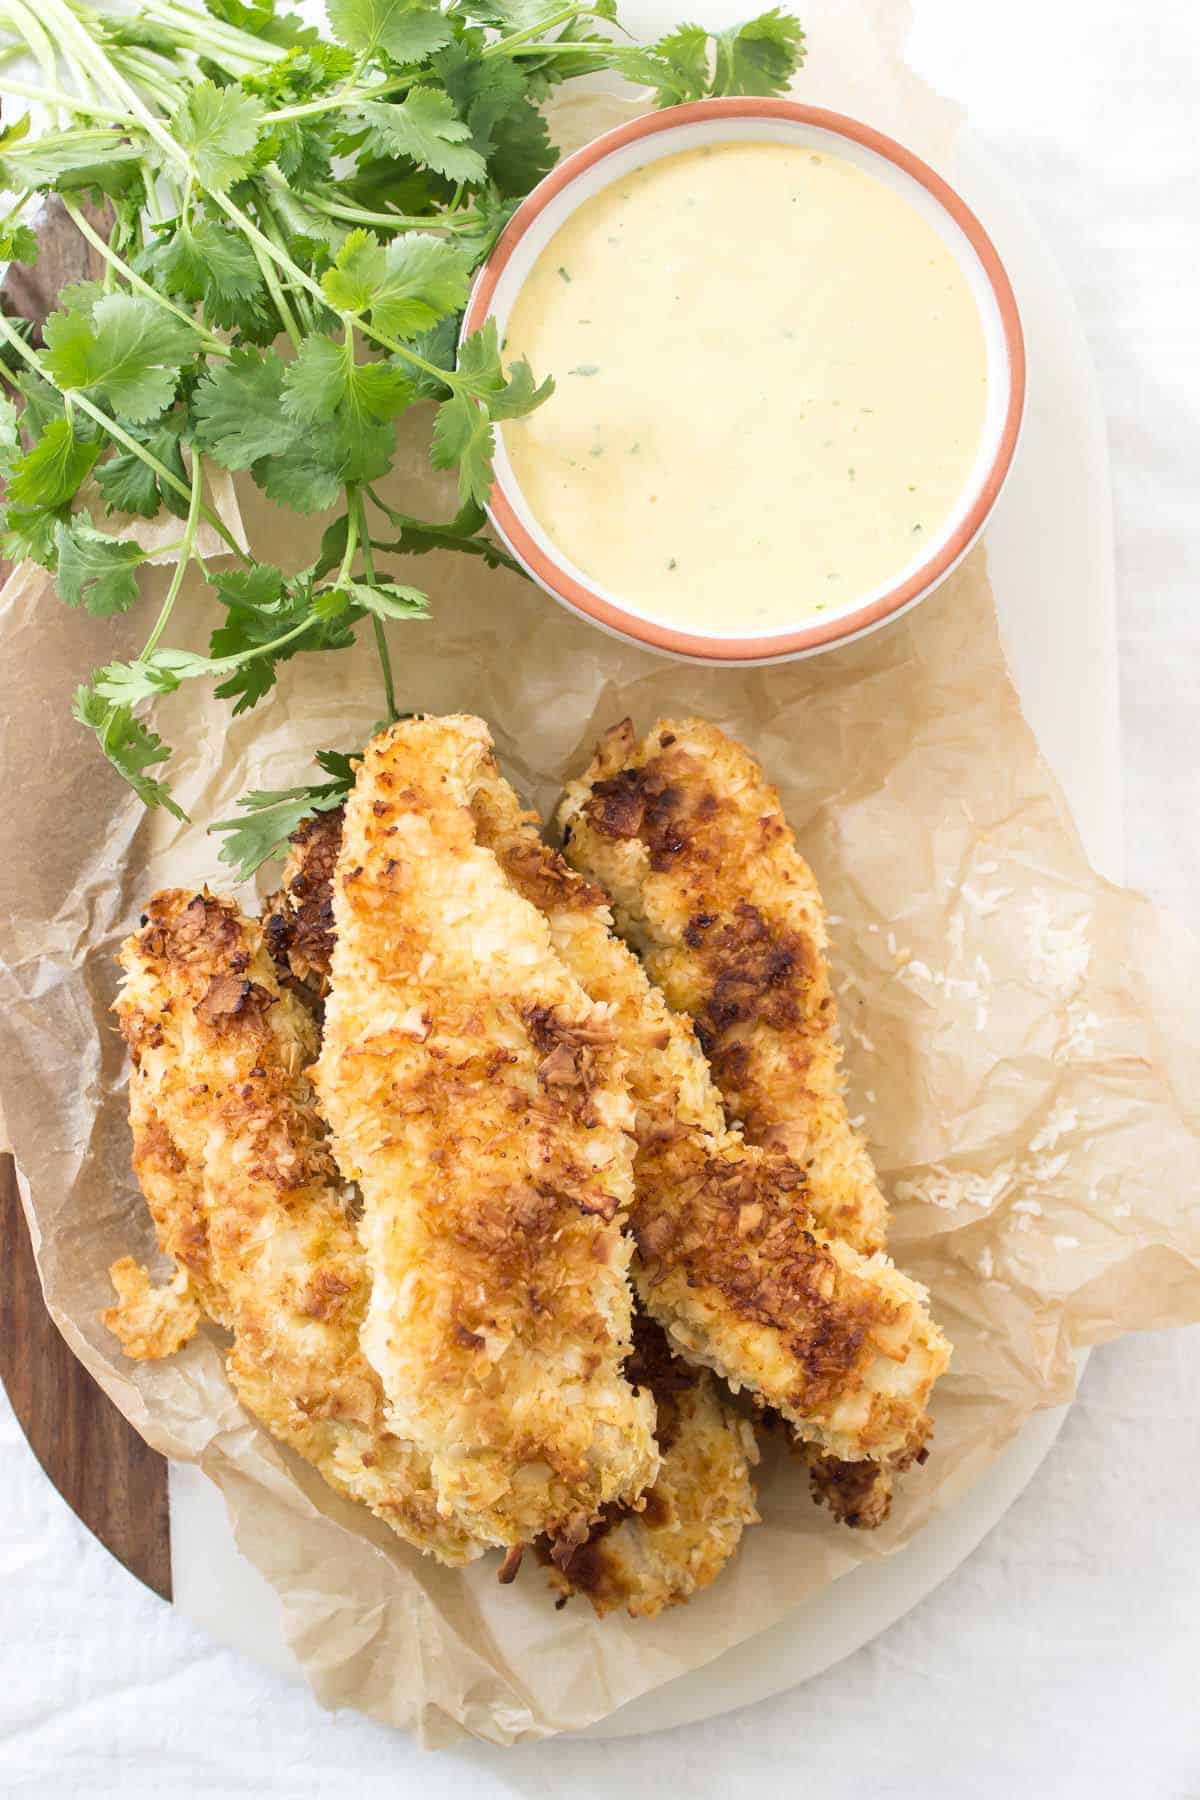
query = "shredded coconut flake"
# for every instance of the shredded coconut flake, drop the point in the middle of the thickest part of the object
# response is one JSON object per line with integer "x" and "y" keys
{"x": 1062, "y": 1241}
{"x": 1060, "y": 954}
{"x": 1049, "y": 1168}
{"x": 1080, "y": 1039}
{"x": 951, "y": 1188}
{"x": 1061, "y": 1120}
{"x": 985, "y": 903}
{"x": 987, "y": 1265}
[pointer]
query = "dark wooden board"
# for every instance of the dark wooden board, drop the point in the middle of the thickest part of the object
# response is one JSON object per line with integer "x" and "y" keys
{"x": 104, "y": 1471}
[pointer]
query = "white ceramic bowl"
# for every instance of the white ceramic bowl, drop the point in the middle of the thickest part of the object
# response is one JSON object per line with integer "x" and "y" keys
{"x": 643, "y": 140}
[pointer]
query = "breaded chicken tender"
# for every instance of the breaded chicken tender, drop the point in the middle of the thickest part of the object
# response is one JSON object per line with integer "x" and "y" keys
{"x": 152, "y": 1321}
{"x": 709, "y": 886}
{"x": 692, "y": 1520}
{"x": 663, "y": 1548}
{"x": 730, "y": 1261}
{"x": 246, "y": 1199}
{"x": 298, "y": 919}
{"x": 690, "y": 1523}
{"x": 478, "y": 1097}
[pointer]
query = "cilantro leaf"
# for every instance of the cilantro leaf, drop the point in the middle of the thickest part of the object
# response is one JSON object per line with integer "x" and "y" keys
{"x": 95, "y": 570}
{"x": 257, "y": 589}
{"x": 425, "y": 128}
{"x": 10, "y": 435}
{"x": 18, "y": 243}
{"x": 30, "y": 534}
{"x": 13, "y": 134}
{"x": 406, "y": 286}
{"x": 204, "y": 261}
{"x": 218, "y": 127}
{"x": 418, "y": 536}
{"x": 521, "y": 149}
{"x": 238, "y": 410}
{"x": 261, "y": 19}
{"x": 325, "y": 377}
{"x": 68, "y": 160}
{"x": 43, "y": 403}
{"x": 521, "y": 394}
{"x": 229, "y": 268}
{"x": 462, "y": 434}
{"x": 676, "y": 67}
{"x": 307, "y": 475}
{"x": 28, "y": 530}
{"x": 261, "y": 607}
{"x": 130, "y": 747}
{"x": 438, "y": 346}
{"x": 125, "y": 348}
{"x": 251, "y": 413}
{"x": 759, "y": 57}
{"x": 129, "y": 485}
{"x": 55, "y": 469}
{"x": 272, "y": 817}
{"x": 161, "y": 672}
{"x": 482, "y": 92}
{"x": 408, "y": 32}
{"x": 388, "y": 599}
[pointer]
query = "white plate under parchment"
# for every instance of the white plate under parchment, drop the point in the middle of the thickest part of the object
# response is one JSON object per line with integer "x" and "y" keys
{"x": 1051, "y": 557}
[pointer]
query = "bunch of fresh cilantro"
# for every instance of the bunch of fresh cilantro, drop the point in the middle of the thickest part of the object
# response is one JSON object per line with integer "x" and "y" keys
{"x": 260, "y": 182}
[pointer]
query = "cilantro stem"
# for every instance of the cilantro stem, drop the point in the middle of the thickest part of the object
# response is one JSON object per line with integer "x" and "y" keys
{"x": 54, "y": 96}
{"x": 216, "y": 665}
{"x": 463, "y": 220}
{"x": 381, "y": 643}
{"x": 211, "y": 344}
{"x": 270, "y": 225}
{"x": 503, "y": 46}
{"x": 184, "y": 558}
{"x": 154, "y": 80}
{"x": 571, "y": 47}
{"x": 308, "y": 109}
{"x": 72, "y": 33}
{"x": 275, "y": 289}
{"x": 353, "y": 514}
{"x": 18, "y": 205}
{"x": 385, "y": 659}
{"x": 212, "y": 32}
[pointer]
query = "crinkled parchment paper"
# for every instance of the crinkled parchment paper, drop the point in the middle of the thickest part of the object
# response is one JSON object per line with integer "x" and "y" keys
{"x": 1022, "y": 1044}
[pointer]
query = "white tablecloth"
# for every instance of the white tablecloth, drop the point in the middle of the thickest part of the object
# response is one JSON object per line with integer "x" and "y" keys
{"x": 1062, "y": 1659}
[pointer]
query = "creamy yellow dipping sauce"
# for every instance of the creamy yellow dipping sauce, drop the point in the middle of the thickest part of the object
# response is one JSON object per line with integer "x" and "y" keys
{"x": 771, "y": 386}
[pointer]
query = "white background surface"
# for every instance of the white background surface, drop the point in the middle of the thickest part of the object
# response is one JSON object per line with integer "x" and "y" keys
{"x": 1062, "y": 1658}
